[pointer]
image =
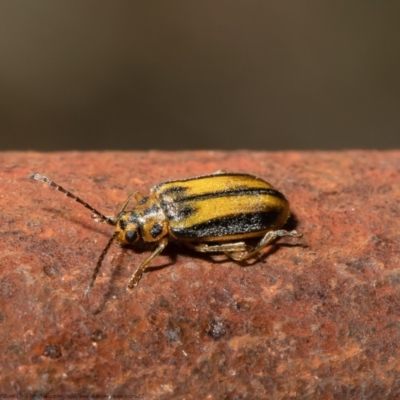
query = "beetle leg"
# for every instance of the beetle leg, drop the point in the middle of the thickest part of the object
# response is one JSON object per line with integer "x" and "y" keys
{"x": 268, "y": 238}
{"x": 139, "y": 272}
{"x": 224, "y": 247}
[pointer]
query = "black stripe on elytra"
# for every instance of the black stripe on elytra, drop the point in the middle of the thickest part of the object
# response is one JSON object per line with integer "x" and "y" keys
{"x": 197, "y": 178}
{"x": 176, "y": 191}
{"x": 176, "y": 211}
{"x": 233, "y": 192}
{"x": 232, "y": 225}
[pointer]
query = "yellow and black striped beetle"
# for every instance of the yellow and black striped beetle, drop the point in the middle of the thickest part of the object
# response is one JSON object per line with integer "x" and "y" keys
{"x": 209, "y": 213}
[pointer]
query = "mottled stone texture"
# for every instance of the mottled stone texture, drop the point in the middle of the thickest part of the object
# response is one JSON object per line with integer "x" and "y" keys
{"x": 317, "y": 317}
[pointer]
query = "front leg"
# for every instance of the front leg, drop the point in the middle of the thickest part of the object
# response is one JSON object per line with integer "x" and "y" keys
{"x": 139, "y": 272}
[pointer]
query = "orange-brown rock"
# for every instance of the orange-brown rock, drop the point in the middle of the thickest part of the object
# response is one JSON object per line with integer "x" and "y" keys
{"x": 317, "y": 317}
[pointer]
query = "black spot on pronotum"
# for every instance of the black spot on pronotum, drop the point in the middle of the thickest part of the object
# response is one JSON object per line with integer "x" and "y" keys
{"x": 122, "y": 224}
{"x": 133, "y": 218}
{"x": 155, "y": 230}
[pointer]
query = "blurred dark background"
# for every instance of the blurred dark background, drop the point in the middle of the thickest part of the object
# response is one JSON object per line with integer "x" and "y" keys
{"x": 122, "y": 74}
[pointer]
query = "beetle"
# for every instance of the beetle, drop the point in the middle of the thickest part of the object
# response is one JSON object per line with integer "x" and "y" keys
{"x": 208, "y": 213}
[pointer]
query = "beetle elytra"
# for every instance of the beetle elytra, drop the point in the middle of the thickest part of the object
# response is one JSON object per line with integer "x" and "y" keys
{"x": 209, "y": 213}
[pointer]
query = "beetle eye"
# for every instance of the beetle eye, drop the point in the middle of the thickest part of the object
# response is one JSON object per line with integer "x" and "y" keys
{"x": 131, "y": 236}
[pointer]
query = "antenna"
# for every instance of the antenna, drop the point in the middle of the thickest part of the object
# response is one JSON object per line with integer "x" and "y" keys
{"x": 98, "y": 265}
{"x": 101, "y": 216}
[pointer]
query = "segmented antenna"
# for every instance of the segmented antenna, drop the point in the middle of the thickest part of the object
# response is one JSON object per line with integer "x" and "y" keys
{"x": 98, "y": 265}
{"x": 102, "y": 217}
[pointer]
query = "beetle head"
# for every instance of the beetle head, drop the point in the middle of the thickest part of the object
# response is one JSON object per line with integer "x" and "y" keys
{"x": 127, "y": 228}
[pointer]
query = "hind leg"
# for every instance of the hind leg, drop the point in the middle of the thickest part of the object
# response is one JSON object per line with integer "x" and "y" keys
{"x": 268, "y": 238}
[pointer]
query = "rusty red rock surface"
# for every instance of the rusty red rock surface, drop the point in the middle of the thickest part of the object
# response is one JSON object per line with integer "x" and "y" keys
{"x": 317, "y": 317}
